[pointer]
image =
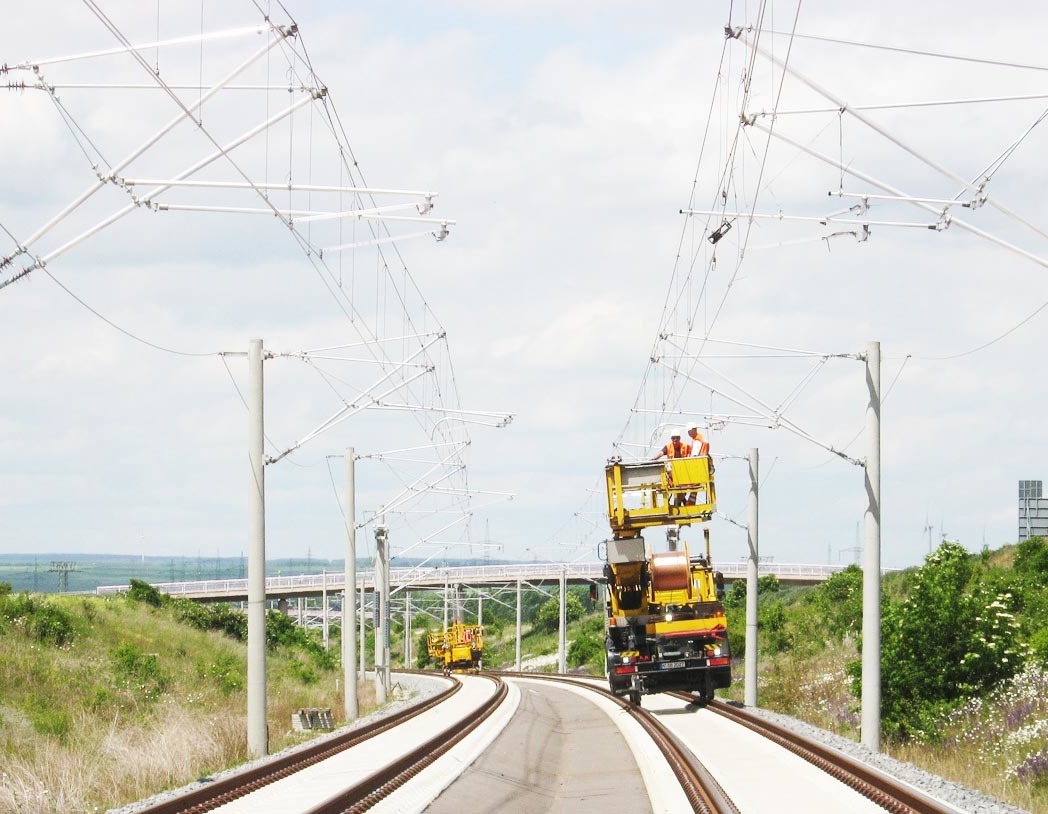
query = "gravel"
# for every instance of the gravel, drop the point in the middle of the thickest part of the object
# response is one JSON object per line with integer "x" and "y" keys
{"x": 408, "y": 690}
{"x": 962, "y": 798}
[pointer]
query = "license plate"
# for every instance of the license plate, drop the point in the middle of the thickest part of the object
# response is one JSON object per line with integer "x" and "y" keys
{"x": 672, "y": 665}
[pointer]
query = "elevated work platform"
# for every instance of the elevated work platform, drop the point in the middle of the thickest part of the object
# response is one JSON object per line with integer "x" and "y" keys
{"x": 658, "y": 493}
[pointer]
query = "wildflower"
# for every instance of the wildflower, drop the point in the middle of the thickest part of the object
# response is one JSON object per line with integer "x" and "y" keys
{"x": 1033, "y": 768}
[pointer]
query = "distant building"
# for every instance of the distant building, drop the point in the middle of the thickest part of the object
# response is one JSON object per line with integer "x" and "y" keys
{"x": 1033, "y": 510}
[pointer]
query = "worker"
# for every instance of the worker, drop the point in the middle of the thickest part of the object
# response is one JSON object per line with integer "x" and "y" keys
{"x": 675, "y": 448}
{"x": 699, "y": 445}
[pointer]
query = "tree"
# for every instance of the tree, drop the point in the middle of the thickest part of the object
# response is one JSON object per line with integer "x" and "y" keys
{"x": 736, "y": 597}
{"x": 1031, "y": 560}
{"x": 946, "y": 641}
{"x": 771, "y": 621}
{"x": 422, "y": 657}
{"x": 838, "y": 602}
{"x": 548, "y": 616}
{"x": 585, "y": 648}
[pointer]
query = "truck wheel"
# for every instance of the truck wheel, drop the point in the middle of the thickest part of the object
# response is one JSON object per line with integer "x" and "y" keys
{"x": 707, "y": 687}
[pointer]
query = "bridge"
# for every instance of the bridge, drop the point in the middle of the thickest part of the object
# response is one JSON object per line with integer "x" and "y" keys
{"x": 425, "y": 578}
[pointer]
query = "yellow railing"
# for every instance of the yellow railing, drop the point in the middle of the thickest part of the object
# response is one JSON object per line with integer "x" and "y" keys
{"x": 658, "y": 493}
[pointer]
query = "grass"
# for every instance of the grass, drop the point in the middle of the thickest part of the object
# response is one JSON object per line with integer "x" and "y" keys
{"x": 997, "y": 744}
{"x": 131, "y": 702}
{"x": 105, "y": 701}
{"x": 500, "y": 652}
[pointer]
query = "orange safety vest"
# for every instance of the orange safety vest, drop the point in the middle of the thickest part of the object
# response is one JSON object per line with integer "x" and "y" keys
{"x": 702, "y": 443}
{"x": 682, "y": 450}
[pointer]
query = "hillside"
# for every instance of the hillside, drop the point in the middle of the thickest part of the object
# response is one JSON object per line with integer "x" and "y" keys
{"x": 104, "y": 701}
{"x": 134, "y": 694}
{"x": 964, "y": 663}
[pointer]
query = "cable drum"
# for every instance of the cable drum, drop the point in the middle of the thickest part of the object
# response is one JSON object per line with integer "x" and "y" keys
{"x": 670, "y": 571}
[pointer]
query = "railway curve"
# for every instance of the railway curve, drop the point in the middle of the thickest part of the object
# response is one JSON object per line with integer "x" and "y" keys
{"x": 715, "y": 758}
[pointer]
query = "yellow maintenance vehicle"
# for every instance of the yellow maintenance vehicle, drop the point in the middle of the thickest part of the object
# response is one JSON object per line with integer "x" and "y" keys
{"x": 666, "y": 624}
{"x": 459, "y": 648}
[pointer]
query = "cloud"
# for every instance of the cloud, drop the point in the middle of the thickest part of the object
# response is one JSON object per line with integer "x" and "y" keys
{"x": 564, "y": 142}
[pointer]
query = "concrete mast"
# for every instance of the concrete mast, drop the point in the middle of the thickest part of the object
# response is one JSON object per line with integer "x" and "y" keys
{"x": 349, "y": 602}
{"x": 871, "y": 559}
{"x": 257, "y": 731}
{"x": 750, "y": 689}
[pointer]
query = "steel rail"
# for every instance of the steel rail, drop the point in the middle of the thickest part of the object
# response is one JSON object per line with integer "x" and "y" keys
{"x": 703, "y": 791}
{"x": 221, "y": 791}
{"x": 381, "y": 784}
{"x": 889, "y": 793}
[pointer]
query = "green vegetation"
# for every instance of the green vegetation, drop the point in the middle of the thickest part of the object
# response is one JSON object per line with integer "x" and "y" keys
{"x": 952, "y": 638}
{"x": 964, "y": 667}
{"x": 540, "y": 637}
{"x": 964, "y": 663}
{"x": 104, "y": 701}
{"x": 548, "y": 617}
{"x": 141, "y": 692}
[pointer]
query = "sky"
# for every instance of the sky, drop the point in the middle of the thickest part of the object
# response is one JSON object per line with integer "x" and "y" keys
{"x": 564, "y": 144}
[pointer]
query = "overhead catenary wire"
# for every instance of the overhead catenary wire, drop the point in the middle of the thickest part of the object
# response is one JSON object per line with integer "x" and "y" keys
{"x": 435, "y": 380}
{"x": 162, "y": 186}
{"x": 660, "y": 392}
{"x": 127, "y": 47}
{"x": 912, "y": 104}
{"x": 952, "y": 221}
{"x": 794, "y": 34}
{"x": 678, "y": 374}
{"x": 883, "y": 132}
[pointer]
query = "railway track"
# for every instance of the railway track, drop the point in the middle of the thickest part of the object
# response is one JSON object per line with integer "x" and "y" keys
{"x": 882, "y": 789}
{"x": 226, "y": 790}
{"x": 702, "y": 790}
{"x": 373, "y": 780}
{"x": 367, "y": 793}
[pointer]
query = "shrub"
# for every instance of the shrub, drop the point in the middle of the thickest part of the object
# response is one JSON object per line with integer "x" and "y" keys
{"x": 226, "y": 671}
{"x": 736, "y": 595}
{"x": 39, "y": 619}
{"x": 945, "y": 641}
{"x": 303, "y": 672}
{"x": 585, "y": 648}
{"x": 49, "y": 720}
{"x": 548, "y": 617}
{"x": 281, "y": 631}
{"x": 1039, "y": 646}
{"x": 768, "y": 584}
{"x": 422, "y": 658}
{"x": 140, "y": 671}
{"x": 838, "y": 602}
{"x": 99, "y": 700}
{"x": 1031, "y": 560}
{"x": 771, "y": 621}
{"x": 222, "y": 618}
{"x": 139, "y": 591}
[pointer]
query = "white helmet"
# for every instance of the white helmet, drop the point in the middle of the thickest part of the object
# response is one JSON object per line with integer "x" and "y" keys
{"x": 691, "y": 426}
{"x": 676, "y": 432}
